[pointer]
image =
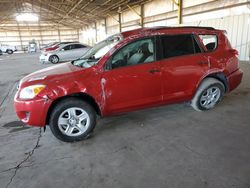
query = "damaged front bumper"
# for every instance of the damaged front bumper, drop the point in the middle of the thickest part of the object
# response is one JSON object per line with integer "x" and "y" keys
{"x": 32, "y": 112}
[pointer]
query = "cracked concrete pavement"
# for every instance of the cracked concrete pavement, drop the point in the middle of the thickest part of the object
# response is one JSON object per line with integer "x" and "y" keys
{"x": 169, "y": 146}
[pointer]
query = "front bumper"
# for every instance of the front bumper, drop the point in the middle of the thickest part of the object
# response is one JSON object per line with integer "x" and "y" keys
{"x": 32, "y": 112}
{"x": 44, "y": 58}
{"x": 234, "y": 79}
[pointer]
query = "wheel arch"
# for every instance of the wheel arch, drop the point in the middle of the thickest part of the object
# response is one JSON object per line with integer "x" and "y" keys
{"x": 217, "y": 75}
{"x": 9, "y": 50}
{"x": 52, "y": 56}
{"x": 82, "y": 96}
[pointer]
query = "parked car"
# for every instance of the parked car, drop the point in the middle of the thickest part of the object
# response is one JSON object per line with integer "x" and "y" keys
{"x": 133, "y": 70}
{"x": 7, "y": 48}
{"x": 1, "y": 53}
{"x": 66, "y": 52}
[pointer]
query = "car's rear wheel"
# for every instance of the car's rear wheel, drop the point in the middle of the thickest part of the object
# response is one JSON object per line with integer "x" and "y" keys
{"x": 209, "y": 93}
{"x": 54, "y": 59}
{"x": 72, "y": 120}
{"x": 9, "y": 51}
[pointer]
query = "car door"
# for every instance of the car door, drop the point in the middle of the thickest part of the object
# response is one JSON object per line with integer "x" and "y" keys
{"x": 133, "y": 78}
{"x": 183, "y": 66}
{"x": 65, "y": 54}
{"x": 79, "y": 50}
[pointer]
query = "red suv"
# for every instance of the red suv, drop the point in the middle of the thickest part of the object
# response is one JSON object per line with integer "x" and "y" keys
{"x": 129, "y": 71}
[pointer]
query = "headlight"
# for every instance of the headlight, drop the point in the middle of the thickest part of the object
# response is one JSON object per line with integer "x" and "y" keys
{"x": 31, "y": 91}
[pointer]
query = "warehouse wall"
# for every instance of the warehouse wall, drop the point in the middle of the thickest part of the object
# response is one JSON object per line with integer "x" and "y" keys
{"x": 233, "y": 16}
{"x": 21, "y": 34}
{"x": 238, "y": 31}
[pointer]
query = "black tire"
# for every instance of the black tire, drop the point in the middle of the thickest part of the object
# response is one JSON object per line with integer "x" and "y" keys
{"x": 60, "y": 108}
{"x": 54, "y": 59}
{"x": 207, "y": 84}
{"x": 9, "y": 51}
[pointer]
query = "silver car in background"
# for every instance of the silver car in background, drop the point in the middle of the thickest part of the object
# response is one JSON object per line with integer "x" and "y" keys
{"x": 65, "y": 52}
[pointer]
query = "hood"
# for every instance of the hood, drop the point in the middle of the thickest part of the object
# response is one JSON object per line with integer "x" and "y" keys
{"x": 56, "y": 71}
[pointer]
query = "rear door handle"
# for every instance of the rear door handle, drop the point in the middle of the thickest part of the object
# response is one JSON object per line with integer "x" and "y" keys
{"x": 154, "y": 71}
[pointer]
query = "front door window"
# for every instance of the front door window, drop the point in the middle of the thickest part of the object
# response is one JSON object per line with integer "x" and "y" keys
{"x": 141, "y": 51}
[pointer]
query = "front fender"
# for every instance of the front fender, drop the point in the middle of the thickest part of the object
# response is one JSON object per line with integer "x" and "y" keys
{"x": 64, "y": 89}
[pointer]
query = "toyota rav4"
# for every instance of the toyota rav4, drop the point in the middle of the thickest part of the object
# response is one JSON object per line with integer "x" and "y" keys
{"x": 129, "y": 71}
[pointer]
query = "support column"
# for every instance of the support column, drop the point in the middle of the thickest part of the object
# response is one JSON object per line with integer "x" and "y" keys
{"x": 180, "y": 11}
{"x": 142, "y": 15}
{"x": 59, "y": 35}
{"x": 179, "y": 4}
{"x": 120, "y": 21}
{"x": 20, "y": 37}
{"x": 78, "y": 36}
{"x": 105, "y": 25}
{"x": 40, "y": 32}
{"x": 96, "y": 32}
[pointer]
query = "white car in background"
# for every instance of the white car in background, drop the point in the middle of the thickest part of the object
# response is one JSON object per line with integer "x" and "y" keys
{"x": 7, "y": 48}
{"x": 65, "y": 52}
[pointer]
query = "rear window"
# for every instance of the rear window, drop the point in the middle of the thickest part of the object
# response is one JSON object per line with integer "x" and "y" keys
{"x": 210, "y": 41}
{"x": 179, "y": 45}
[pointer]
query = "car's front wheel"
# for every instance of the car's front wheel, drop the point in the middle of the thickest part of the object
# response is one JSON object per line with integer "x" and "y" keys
{"x": 209, "y": 93}
{"x": 72, "y": 120}
{"x": 9, "y": 51}
{"x": 54, "y": 59}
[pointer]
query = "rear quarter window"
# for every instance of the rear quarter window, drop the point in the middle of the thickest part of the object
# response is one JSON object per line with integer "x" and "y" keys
{"x": 209, "y": 41}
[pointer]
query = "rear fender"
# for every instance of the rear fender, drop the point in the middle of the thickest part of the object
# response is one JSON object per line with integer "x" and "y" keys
{"x": 217, "y": 74}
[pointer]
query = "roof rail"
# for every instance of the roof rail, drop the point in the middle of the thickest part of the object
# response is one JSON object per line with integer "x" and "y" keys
{"x": 177, "y": 27}
{"x": 198, "y": 27}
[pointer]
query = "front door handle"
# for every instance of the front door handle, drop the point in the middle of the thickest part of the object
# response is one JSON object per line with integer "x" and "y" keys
{"x": 154, "y": 71}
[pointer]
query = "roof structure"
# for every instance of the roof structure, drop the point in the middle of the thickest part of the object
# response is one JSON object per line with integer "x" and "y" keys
{"x": 70, "y": 13}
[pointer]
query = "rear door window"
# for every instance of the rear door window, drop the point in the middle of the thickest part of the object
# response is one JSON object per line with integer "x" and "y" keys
{"x": 68, "y": 47}
{"x": 178, "y": 45}
{"x": 209, "y": 41}
{"x": 79, "y": 46}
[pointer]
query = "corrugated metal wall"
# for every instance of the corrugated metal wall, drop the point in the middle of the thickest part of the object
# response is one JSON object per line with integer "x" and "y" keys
{"x": 42, "y": 34}
{"x": 164, "y": 13}
{"x": 238, "y": 31}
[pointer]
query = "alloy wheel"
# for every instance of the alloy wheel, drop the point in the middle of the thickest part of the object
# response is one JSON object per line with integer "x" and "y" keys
{"x": 210, "y": 97}
{"x": 73, "y": 121}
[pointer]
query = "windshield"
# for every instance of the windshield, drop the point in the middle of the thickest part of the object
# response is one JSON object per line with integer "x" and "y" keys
{"x": 92, "y": 56}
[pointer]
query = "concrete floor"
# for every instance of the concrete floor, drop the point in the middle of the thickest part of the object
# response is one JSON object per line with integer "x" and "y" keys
{"x": 170, "y": 146}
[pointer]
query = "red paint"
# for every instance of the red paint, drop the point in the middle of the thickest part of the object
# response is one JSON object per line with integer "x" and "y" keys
{"x": 52, "y": 48}
{"x": 133, "y": 87}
